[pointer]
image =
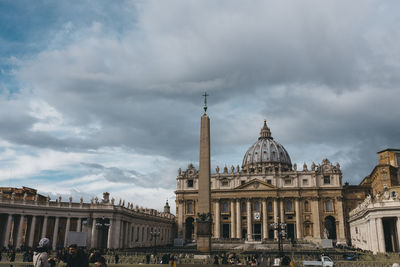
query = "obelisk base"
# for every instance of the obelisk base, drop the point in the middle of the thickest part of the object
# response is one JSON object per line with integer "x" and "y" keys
{"x": 204, "y": 244}
{"x": 204, "y": 237}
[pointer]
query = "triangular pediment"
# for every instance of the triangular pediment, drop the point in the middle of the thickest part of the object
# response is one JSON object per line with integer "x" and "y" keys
{"x": 255, "y": 184}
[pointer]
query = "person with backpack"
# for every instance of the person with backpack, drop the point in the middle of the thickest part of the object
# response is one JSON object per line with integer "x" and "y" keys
{"x": 41, "y": 253}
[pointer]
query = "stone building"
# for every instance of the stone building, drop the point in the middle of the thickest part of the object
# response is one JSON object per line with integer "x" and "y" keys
{"x": 265, "y": 189}
{"x": 24, "y": 220}
{"x": 375, "y": 222}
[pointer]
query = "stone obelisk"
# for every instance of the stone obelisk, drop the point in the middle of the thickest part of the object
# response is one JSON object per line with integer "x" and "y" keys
{"x": 204, "y": 220}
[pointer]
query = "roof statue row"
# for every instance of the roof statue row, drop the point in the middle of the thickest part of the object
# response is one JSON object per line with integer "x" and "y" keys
{"x": 104, "y": 203}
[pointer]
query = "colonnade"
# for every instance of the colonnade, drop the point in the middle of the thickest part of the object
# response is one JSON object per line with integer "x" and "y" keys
{"x": 252, "y": 215}
{"x": 243, "y": 214}
{"x": 26, "y": 230}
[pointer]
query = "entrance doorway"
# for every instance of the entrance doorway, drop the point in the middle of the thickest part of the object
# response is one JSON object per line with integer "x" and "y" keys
{"x": 389, "y": 232}
{"x": 189, "y": 228}
{"x": 290, "y": 231}
{"x": 257, "y": 231}
{"x": 330, "y": 227}
{"x": 225, "y": 230}
{"x": 271, "y": 234}
{"x": 244, "y": 233}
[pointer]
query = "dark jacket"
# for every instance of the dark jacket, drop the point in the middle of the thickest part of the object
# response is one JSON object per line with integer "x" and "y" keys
{"x": 77, "y": 260}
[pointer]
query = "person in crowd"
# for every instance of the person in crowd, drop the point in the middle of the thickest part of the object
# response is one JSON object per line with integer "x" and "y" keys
{"x": 216, "y": 259}
{"x": 101, "y": 262}
{"x": 41, "y": 253}
{"x": 76, "y": 257}
{"x": 94, "y": 256}
{"x": 116, "y": 258}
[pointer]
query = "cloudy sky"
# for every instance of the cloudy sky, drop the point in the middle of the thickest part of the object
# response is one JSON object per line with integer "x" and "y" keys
{"x": 106, "y": 95}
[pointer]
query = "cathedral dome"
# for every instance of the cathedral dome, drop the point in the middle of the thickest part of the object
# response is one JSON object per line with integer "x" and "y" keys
{"x": 266, "y": 154}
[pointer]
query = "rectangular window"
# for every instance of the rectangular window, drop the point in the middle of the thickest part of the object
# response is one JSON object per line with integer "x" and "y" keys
{"x": 288, "y": 181}
{"x": 269, "y": 182}
{"x": 305, "y": 181}
{"x": 243, "y": 207}
{"x": 225, "y": 207}
{"x": 242, "y": 182}
{"x": 190, "y": 183}
{"x": 225, "y": 183}
{"x": 327, "y": 179}
{"x": 190, "y": 207}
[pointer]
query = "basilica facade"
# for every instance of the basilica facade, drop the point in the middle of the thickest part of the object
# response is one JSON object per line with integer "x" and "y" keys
{"x": 266, "y": 189}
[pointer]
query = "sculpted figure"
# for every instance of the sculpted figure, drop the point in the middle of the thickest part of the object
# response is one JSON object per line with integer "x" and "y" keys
{"x": 225, "y": 169}
{"x": 233, "y": 169}
{"x": 295, "y": 167}
{"x": 217, "y": 169}
{"x": 326, "y": 233}
{"x": 304, "y": 167}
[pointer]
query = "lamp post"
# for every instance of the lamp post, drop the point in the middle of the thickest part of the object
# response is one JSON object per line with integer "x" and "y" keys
{"x": 102, "y": 224}
{"x": 281, "y": 228}
{"x": 154, "y": 233}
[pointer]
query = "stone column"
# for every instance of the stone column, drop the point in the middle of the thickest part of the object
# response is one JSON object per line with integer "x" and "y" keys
{"x": 249, "y": 222}
{"x": 282, "y": 210}
{"x": 55, "y": 233}
{"x": 264, "y": 219}
{"x": 93, "y": 241}
{"x": 110, "y": 235}
{"x": 117, "y": 233}
{"x": 20, "y": 231}
{"x": 7, "y": 232}
{"x": 79, "y": 225}
{"x": 66, "y": 231}
{"x": 181, "y": 212}
{"x": 217, "y": 220}
{"x": 398, "y": 232}
{"x": 339, "y": 209}
{"x": 374, "y": 239}
{"x": 129, "y": 234}
{"x": 32, "y": 231}
{"x": 44, "y": 228}
{"x": 315, "y": 216}
{"x": 238, "y": 219}
{"x": 233, "y": 219}
{"x": 275, "y": 217}
{"x": 381, "y": 236}
{"x": 298, "y": 219}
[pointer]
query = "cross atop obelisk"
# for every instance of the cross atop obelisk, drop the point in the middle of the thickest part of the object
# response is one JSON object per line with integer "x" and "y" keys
{"x": 204, "y": 220}
{"x": 205, "y": 102}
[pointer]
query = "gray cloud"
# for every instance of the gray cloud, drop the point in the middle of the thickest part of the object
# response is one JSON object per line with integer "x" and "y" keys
{"x": 323, "y": 74}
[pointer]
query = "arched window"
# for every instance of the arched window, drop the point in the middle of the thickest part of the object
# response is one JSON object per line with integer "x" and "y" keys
{"x": 289, "y": 205}
{"x": 225, "y": 207}
{"x": 306, "y": 206}
{"x": 256, "y": 206}
{"x": 328, "y": 205}
{"x": 269, "y": 206}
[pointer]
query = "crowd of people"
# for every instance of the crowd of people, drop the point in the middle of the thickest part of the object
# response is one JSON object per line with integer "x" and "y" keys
{"x": 73, "y": 256}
